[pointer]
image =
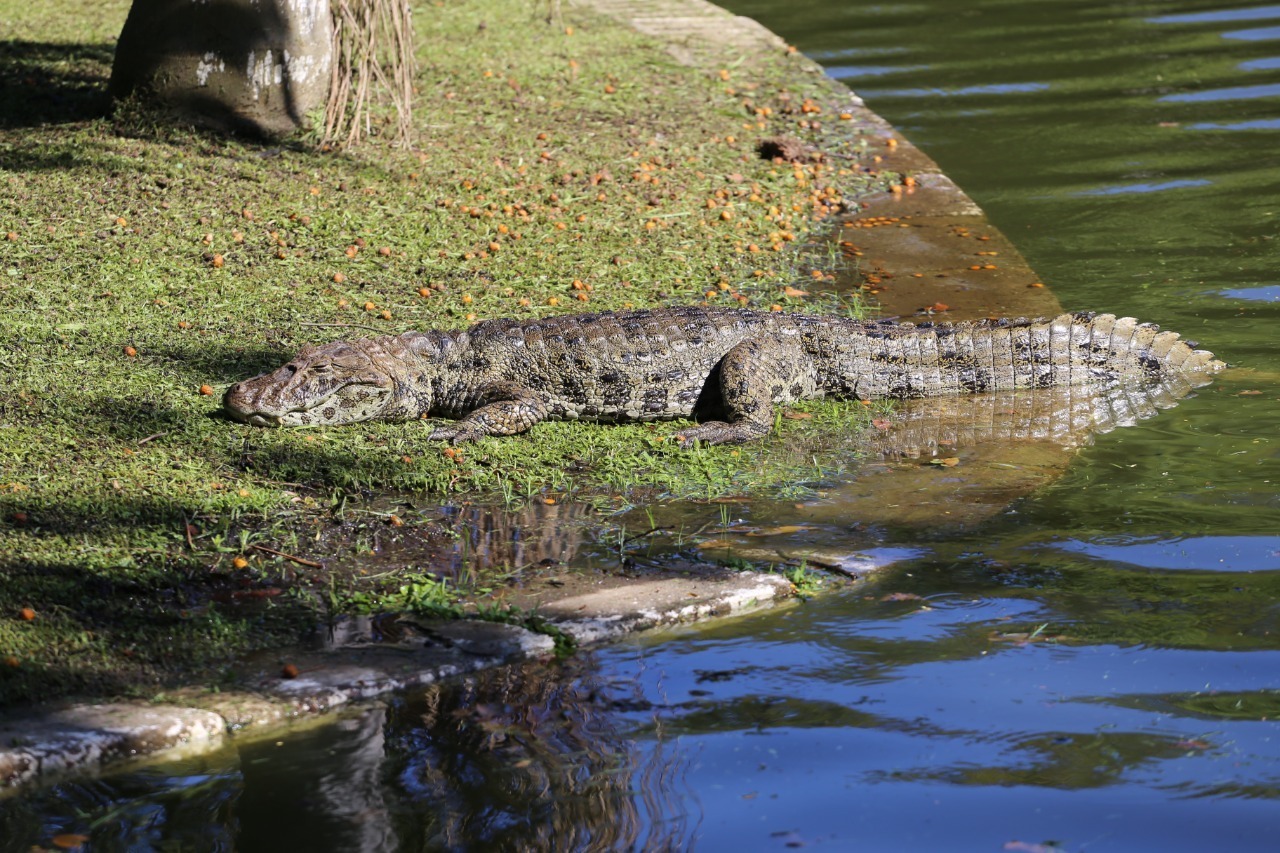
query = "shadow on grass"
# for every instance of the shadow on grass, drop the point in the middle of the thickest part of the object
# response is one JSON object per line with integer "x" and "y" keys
{"x": 334, "y": 467}
{"x": 223, "y": 363}
{"x": 160, "y": 518}
{"x": 130, "y": 419}
{"x": 131, "y": 415}
{"x": 131, "y": 630}
{"x": 43, "y": 84}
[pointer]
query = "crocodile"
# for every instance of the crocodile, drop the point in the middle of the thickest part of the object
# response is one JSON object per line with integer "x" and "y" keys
{"x": 725, "y": 367}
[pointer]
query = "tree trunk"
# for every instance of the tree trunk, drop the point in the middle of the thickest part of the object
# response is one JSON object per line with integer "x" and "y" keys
{"x": 256, "y": 66}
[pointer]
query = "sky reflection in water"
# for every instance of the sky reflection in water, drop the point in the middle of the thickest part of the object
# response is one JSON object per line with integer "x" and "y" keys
{"x": 1156, "y": 187}
{"x": 1270, "y": 293}
{"x": 1213, "y": 553}
{"x": 1235, "y": 93}
{"x": 1256, "y": 124}
{"x": 1260, "y": 13}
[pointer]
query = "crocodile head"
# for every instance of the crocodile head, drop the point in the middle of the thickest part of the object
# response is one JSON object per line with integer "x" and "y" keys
{"x": 336, "y": 383}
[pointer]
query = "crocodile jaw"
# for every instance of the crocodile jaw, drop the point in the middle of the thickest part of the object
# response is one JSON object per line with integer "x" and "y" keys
{"x": 258, "y": 419}
{"x": 357, "y": 401}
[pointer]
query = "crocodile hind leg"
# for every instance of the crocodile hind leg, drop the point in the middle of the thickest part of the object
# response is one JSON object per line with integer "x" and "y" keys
{"x": 503, "y": 408}
{"x": 754, "y": 375}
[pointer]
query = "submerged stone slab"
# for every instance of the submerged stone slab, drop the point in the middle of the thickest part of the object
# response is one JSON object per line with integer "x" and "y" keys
{"x": 947, "y": 266}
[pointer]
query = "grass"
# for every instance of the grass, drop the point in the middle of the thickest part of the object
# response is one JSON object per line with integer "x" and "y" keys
{"x": 806, "y": 582}
{"x": 145, "y": 267}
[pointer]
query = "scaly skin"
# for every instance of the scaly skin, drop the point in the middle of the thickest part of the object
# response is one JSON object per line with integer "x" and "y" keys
{"x": 501, "y": 377}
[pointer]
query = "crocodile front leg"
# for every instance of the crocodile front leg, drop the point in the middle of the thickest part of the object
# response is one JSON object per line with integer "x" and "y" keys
{"x": 503, "y": 408}
{"x": 753, "y": 376}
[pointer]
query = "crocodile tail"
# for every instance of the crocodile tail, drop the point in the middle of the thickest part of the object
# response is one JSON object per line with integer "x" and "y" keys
{"x": 1088, "y": 349}
{"x": 906, "y": 361}
{"x": 1106, "y": 349}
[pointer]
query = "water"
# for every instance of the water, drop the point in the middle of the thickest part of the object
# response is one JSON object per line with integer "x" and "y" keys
{"x": 1092, "y": 667}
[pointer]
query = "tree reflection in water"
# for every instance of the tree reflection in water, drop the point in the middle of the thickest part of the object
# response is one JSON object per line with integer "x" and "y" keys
{"x": 531, "y": 757}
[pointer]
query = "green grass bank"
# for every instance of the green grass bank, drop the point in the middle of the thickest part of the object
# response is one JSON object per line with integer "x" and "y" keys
{"x": 563, "y": 166}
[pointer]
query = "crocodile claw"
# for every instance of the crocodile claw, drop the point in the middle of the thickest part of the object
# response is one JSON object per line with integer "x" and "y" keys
{"x": 455, "y": 434}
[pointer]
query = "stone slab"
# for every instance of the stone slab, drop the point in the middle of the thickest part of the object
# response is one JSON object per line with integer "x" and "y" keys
{"x": 84, "y": 738}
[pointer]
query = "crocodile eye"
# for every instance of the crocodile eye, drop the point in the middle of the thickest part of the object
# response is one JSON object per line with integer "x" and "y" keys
{"x": 320, "y": 368}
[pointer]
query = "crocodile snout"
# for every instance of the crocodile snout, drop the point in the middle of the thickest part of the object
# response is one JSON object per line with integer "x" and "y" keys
{"x": 239, "y": 403}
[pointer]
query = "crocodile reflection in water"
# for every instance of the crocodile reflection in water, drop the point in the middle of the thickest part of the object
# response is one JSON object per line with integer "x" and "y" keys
{"x": 1068, "y": 416}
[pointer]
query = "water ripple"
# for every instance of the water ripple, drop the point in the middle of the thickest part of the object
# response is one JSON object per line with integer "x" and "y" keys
{"x": 1255, "y": 34}
{"x": 1219, "y": 15}
{"x": 1255, "y": 124}
{"x": 1155, "y": 187}
{"x": 1270, "y": 293}
{"x": 1234, "y": 93}
{"x": 852, "y": 72}
{"x": 1216, "y": 553}
{"x": 983, "y": 89}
